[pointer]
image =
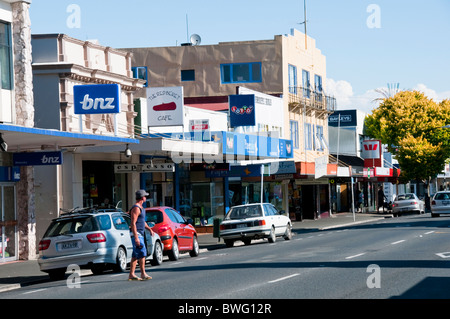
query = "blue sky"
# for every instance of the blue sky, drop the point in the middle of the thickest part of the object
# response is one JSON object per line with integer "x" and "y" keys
{"x": 367, "y": 43}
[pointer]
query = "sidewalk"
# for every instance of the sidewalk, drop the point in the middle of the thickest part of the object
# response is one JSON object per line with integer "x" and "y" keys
{"x": 18, "y": 274}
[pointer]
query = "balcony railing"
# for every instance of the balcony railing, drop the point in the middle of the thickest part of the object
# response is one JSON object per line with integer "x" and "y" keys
{"x": 306, "y": 97}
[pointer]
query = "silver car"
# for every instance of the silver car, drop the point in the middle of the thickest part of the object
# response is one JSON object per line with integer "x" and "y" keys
{"x": 97, "y": 239}
{"x": 440, "y": 204}
{"x": 408, "y": 202}
{"x": 253, "y": 221}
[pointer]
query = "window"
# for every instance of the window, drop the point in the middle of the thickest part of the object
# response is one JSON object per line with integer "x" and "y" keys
{"x": 318, "y": 87}
{"x": 292, "y": 70}
{"x": 119, "y": 222}
{"x": 141, "y": 73}
{"x": 319, "y": 138}
{"x": 318, "y": 83}
{"x": 294, "y": 133}
{"x": 308, "y": 136}
{"x": 5, "y": 57}
{"x": 306, "y": 84}
{"x": 241, "y": 72}
{"x": 187, "y": 75}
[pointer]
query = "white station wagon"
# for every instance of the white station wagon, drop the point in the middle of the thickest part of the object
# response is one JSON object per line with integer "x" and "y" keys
{"x": 254, "y": 221}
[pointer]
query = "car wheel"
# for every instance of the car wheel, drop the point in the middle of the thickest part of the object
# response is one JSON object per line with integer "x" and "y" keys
{"x": 121, "y": 260}
{"x": 57, "y": 274}
{"x": 157, "y": 255}
{"x": 434, "y": 215}
{"x": 272, "y": 237}
{"x": 288, "y": 232}
{"x": 229, "y": 243}
{"x": 195, "y": 249}
{"x": 247, "y": 241}
{"x": 174, "y": 254}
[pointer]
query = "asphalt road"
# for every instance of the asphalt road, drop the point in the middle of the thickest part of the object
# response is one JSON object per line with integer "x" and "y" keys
{"x": 407, "y": 257}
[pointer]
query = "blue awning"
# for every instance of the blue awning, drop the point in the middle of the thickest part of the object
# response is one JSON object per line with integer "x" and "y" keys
{"x": 20, "y": 138}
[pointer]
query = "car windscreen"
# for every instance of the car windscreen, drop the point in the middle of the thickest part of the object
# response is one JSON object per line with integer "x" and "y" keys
{"x": 69, "y": 226}
{"x": 153, "y": 216}
{"x": 244, "y": 212}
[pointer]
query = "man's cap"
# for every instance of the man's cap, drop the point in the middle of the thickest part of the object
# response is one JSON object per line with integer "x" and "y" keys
{"x": 141, "y": 193}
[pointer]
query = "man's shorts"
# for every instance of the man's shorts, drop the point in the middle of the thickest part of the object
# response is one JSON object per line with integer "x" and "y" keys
{"x": 139, "y": 252}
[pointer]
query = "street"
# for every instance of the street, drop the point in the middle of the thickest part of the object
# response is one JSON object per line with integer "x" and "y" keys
{"x": 406, "y": 257}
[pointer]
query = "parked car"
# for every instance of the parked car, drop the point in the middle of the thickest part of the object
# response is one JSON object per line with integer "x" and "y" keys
{"x": 178, "y": 235}
{"x": 408, "y": 202}
{"x": 253, "y": 221}
{"x": 97, "y": 239}
{"x": 440, "y": 204}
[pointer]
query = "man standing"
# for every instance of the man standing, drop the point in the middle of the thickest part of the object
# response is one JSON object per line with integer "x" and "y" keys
{"x": 138, "y": 226}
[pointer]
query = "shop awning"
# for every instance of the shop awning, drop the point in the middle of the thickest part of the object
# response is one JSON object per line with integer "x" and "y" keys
{"x": 161, "y": 146}
{"x": 20, "y": 139}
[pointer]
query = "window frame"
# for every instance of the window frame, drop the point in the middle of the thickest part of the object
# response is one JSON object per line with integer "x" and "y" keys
{"x": 187, "y": 76}
{"x": 226, "y": 78}
{"x": 136, "y": 69}
{"x": 6, "y": 49}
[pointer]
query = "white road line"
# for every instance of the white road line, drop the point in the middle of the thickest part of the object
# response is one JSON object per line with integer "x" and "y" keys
{"x": 398, "y": 242}
{"x": 354, "y": 256}
{"x": 282, "y": 278}
{"x": 201, "y": 258}
{"x": 430, "y": 232}
{"x": 33, "y": 291}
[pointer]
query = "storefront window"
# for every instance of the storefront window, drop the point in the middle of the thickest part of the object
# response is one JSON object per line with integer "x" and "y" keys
{"x": 272, "y": 193}
{"x": 8, "y": 223}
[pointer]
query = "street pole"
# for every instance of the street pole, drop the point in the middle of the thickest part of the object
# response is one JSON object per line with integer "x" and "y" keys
{"x": 353, "y": 200}
{"x": 262, "y": 181}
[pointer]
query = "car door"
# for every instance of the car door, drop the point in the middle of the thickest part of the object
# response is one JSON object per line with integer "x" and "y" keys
{"x": 270, "y": 217}
{"x": 280, "y": 225}
{"x": 178, "y": 227}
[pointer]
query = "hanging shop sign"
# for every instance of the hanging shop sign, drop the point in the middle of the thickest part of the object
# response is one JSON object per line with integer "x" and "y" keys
{"x": 242, "y": 110}
{"x": 165, "y": 106}
{"x": 144, "y": 168}
{"x": 37, "y": 158}
{"x": 96, "y": 98}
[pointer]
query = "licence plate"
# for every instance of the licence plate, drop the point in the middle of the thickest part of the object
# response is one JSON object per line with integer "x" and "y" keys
{"x": 74, "y": 244}
{"x": 241, "y": 225}
{"x": 445, "y": 202}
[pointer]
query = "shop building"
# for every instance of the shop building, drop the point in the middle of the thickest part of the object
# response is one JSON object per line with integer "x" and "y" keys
{"x": 61, "y": 66}
{"x": 288, "y": 66}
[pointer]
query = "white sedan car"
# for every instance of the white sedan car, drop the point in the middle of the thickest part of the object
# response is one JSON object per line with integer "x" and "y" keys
{"x": 254, "y": 221}
{"x": 440, "y": 204}
{"x": 408, "y": 202}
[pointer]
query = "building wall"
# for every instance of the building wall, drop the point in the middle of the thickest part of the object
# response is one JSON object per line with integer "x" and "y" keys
{"x": 165, "y": 64}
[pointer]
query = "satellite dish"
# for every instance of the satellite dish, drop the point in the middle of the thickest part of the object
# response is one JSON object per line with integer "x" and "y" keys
{"x": 195, "y": 39}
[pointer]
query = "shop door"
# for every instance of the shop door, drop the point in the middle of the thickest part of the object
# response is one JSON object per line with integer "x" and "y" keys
{"x": 8, "y": 223}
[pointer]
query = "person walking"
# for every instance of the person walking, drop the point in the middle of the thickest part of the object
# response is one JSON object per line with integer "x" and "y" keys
{"x": 138, "y": 226}
{"x": 381, "y": 199}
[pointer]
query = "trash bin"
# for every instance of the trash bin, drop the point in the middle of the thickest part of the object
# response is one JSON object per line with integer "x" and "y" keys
{"x": 216, "y": 227}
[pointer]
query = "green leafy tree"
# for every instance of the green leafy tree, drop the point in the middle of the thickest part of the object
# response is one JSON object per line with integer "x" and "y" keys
{"x": 411, "y": 125}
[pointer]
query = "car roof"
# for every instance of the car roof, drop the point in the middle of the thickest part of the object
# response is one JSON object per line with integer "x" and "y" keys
{"x": 252, "y": 204}
{"x": 88, "y": 211}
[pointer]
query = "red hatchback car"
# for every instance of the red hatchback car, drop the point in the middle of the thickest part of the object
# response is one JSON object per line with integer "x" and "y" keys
{"x": 177, "y": 234}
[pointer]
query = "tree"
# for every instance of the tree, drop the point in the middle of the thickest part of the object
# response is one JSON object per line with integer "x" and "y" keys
{"x": 411, "y": 125}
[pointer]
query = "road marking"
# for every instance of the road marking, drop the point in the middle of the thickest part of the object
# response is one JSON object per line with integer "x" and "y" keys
{"x": 282, "y": 278}
{"x": 201, "y": 258}
{"x": 444, "y": 255}
{"x": 33, "y": 291}
{"x": 430, "y": 232}
{"x": 398, "y": 242}
{"x": 354, "y": 256}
